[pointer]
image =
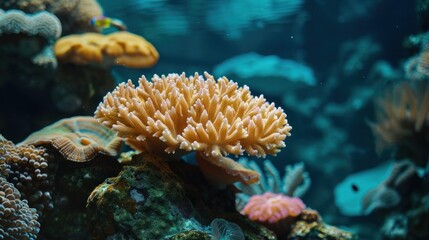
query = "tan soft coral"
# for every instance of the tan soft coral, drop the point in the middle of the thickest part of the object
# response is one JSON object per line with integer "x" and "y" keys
{"x": 119, "y": 48}
{"x": 215, "y": 117}
{"x": 212, "y": 117}
{"x": 402, "y": 114}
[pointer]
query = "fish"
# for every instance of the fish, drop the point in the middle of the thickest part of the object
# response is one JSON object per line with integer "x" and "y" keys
{"x": 103, "y": 22}
{"x": 355, "y": 188}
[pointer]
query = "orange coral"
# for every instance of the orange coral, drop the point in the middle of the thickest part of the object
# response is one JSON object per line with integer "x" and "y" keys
{"x": 402, "y": 114}
{"x": 119, "y": 48}
{"x": 212, "y": 117}
{"x": 216, "y": 118}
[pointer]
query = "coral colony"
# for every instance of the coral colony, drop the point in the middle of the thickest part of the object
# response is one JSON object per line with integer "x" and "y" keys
{"x": 112, "y": 126}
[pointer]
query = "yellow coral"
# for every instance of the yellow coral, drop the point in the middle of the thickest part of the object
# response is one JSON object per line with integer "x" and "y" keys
{"x": 119, "y": 48}
{"x": 214, "y": 117}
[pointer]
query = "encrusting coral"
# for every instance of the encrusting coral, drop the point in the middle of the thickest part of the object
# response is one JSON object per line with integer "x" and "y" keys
{"x": 30, "y": 35}
{"x": 119, "y": 48}
{"x": 43, "y": 24}
{"x": 74, "y": 14}
{"x": 78, "y": 139}
{"x": 214, "y": 118}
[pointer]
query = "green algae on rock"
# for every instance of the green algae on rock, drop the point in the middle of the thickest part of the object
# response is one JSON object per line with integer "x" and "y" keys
{"x": 152, "y": 198}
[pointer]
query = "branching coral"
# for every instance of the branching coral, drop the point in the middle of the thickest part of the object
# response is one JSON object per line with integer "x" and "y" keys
{"x": 212, "y": 117}
{"x": 217, "y": 118}
{"x": 402, "y": 114}
{"x": 119, "y": 48}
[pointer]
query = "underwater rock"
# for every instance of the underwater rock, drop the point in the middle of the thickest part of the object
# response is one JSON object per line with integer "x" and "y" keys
{"x": 191, "y": 235}
{"x": 311, "y": 226}
{"x": 26, "y": 41}
{"x": 73, "y": 183}
{"x": 153, "y": 199}
{"x": 79, "y": 89}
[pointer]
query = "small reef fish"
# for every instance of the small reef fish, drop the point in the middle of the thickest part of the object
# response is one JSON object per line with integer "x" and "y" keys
{"x": 106, "y": 22}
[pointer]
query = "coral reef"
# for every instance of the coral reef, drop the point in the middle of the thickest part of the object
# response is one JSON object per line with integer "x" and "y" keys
{"x": 295, "y": 182}
{"x": 223, "y": 229}
{"x": 74, "y": 181}
{"x": 78, "y": 139}
{"x": 35, "y": 34}
{"x": 17, "y": 220}
{"x": 73, "y": 14}
{"x": 118, "y": 48}
{"x": 27, "y": 170}
{"x": 271, "y": 207}
{"x": 274, "y": 201}
{"x": 310, "y": 226}
{"x": 164, "y": 198}
{"x": 402, "y": 120}
{"x": 42, "y": 24}
{"x": 214, "y": 118}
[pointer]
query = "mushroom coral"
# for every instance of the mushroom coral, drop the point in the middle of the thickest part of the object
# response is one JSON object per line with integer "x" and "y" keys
{"x": 119, "y": 48}
{"x": 78, "y": 139}
{"x": 214, "y": 118}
